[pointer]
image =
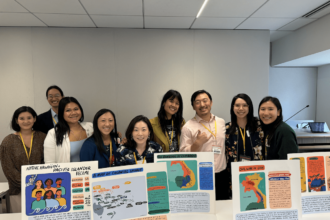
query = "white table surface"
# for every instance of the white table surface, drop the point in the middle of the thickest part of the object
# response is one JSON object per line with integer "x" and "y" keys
{"x": 224, "y": 212}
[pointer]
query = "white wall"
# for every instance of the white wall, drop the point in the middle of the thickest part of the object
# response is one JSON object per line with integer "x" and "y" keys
{"x": 129, "y": 70}
{"x": 323, "y": 100}
{"x": 310, "y": 39}
{"x": 295, "y": 88}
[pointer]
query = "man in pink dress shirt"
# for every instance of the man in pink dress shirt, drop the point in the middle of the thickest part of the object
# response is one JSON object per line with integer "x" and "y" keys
{"x": 206, "y": 133}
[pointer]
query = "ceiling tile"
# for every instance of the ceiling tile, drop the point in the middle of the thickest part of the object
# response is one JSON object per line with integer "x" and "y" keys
{"x": 168, "y": 22}
{"x": 216, "y": 23}
{"x": 53, "y": 6}
{"x": 64, "y": 20}
{"x": 264, "y": 23}
{"x": 172, "y": 7}
{"x": 113, "y": 7}
{"x": 321, "y": 13}
{"x": 11, "y": 6}
{"x": 275, "y": 35}
{"x": 19, "y": 19}
{"x": 287, "y": 8}
{"x": 230, "y": 8}
{"x": 118, "y": 21}
{"x": 298, "y": 23}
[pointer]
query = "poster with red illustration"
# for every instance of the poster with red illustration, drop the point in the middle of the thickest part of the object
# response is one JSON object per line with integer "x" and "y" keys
{"x": 316, "y": 174}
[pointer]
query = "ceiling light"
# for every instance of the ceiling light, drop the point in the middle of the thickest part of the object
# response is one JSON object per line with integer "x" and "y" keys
{"x": 200, "y": 10}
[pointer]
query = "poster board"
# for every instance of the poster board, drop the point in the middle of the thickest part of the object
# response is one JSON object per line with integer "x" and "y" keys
{"x": 61, "y": 190}
{"x": 190, "y": 181}
{"x": 266, "y": 190}
{"x": 314, "y": 180}
{"x": 131, "y": 191}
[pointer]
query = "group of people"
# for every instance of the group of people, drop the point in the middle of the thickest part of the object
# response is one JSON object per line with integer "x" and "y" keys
{"x": 60, "y": 135}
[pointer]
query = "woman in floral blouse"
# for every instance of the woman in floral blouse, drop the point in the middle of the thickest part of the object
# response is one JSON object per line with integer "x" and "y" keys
{"x": 243, "y": 134}
{"x": 139, "y": 148}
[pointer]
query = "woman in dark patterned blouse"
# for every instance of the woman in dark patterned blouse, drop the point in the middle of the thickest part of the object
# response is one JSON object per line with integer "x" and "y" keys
{"x": 139, "y": 148}
{"x": 24, "y": 147}
{"x": 243, "y": 134}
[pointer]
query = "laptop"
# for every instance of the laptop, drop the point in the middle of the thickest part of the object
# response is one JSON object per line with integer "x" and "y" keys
{"x": 319, "y": 127}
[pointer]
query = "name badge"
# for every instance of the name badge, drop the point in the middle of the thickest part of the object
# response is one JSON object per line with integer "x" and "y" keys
{"x": 140, "y": 162}
{"x": 216, "y": 150}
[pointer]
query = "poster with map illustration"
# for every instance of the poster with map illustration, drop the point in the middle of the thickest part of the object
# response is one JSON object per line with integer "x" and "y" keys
{"x": 252, "y": 191}
{"x": 266, "y": 190}
{"x": 316, "y": 167}
{"x": 190, "y": 181}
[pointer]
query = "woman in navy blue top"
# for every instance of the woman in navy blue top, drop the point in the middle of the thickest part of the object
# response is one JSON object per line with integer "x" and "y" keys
{"x": 139, "y": 149}
{"x": 102, "y": 146}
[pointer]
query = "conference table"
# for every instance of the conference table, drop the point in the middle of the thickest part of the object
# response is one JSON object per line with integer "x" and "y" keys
{"x": 224, "y": 211}
{"x": 312, "y": 141}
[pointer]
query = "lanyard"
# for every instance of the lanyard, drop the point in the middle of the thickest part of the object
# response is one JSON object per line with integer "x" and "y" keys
{"x": 136, "y": 159}
{"x": 54, "y": 120}
{"x": 110, "y": 158}
{"x": 215, "y": 126}
{"x": 27, "y": 155}
{"x": 170, "y": 140}
{"x": 266, "y": 145}
{"x": 243, "y": 137}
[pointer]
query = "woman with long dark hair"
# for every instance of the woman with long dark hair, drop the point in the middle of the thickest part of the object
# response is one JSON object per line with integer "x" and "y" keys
{"x": 63, "y": 143}
{"x": 244, "y": 135}
{"x": 24, "y": 147}
{"x": 280, "y": 139}
{"x": 102, "y": 146}
{"x": 167, "y": 126}
{"x": 39, "y": 186}
{"x": 139, "y": 147}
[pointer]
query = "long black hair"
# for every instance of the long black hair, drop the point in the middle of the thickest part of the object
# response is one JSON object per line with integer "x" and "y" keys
{"x": 62, "y": 126}
{"x": 177, "y": 117}
{"x": 18, "y": 111}
{"x": 42, "y": 185}
{"x": 97, "y": 134}
{"x": 251, "y": 120}
{"x": 52, "y": 196}
{"x": 279, "y": 118}
{"x": 131, "y": 144}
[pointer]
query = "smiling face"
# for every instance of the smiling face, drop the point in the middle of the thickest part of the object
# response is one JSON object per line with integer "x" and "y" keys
{"x": 72, "y": 113}
{"x": 268, "y": 112}
{"x": 38, "y": 183}
{"x": 241, "y": 108}
{"x": 25, "y": 121}
{"x": 171, "y": 106}
{"x": 202, "y": 105}
{"x": 54, "y": 97}
{"x": 140, "y": 133}
{"x": 106, "y": 123}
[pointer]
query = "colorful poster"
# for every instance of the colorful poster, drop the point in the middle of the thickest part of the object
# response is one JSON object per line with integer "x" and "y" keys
{"x": 316, "y": 174}
{"x": 206, "y": 175}
{"x": 47, "y": 193}
{"x": 182, "y": 175}
{"x": 302, "y": 172}
{"x": 58, "y": 191}
{"x": 252, "y": 191}
{"x": 120, "y": 198}
{"x": 158, "y": 200}
{"x": 327, "y": 162}
{"x": 279, "y": 189}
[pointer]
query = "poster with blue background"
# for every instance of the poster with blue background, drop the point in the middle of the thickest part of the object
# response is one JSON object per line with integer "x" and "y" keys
{"x": 47, "y": 193}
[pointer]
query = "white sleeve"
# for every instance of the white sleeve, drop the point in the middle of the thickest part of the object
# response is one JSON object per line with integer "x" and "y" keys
{"x": 50, "y": 147}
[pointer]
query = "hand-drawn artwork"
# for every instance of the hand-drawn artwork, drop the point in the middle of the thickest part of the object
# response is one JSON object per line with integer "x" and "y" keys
{"x": 31, "y": 180}
{"x": 182, "y": 175}
{"x": 158, "y": 199}
{"x": 39, "y": 186}
{"x": 58, "y": 185}
{"x": 302, "y": 172}
{"x": 252, "y": 191}
{"x": 40, "y": 200}
{"x": 316, "y": 175}
{"x": 279, "y": 190}
{"x": 49, "y": 183}
{"x": 120, "y": 198}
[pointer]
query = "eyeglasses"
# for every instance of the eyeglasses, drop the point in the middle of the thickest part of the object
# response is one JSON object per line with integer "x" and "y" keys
{"x": 241, "y": 106}
{"x": 55, "y": 96}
